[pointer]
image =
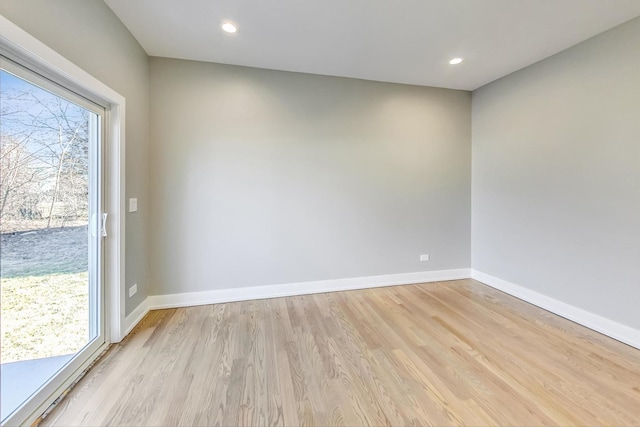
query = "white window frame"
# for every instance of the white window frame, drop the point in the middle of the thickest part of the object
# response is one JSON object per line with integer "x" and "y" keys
{"x": 40, "y": 58}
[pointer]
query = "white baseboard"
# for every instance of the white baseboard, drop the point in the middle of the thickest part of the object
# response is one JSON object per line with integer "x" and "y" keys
{"x": 302, "y": 288}
{"x": 134, "y": 318}
{"x": 585, "y": 318}
{"x": 593, "y": 321}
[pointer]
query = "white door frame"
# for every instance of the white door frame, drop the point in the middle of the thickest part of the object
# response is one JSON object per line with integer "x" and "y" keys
{"x": 40, "y": 58}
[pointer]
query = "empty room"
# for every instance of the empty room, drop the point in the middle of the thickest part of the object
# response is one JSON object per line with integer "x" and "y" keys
{"x": 319, "y": 213}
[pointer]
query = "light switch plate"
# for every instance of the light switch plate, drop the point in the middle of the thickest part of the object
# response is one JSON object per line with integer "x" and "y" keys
{"x": 133, "y": 205}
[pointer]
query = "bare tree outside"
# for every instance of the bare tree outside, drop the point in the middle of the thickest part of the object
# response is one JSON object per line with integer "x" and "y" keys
{"x": 44, "y": 156}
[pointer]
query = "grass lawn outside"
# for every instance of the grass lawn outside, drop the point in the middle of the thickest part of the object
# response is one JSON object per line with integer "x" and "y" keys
{"x": 44, "y": 293}
{"x": 44, "y": 316}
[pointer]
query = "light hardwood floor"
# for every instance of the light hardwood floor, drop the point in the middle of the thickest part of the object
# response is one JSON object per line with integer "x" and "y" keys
{"x": 450, "y": 353}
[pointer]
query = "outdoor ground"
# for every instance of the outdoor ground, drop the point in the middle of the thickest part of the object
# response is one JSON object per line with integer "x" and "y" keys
{"x": 44, "y": 293}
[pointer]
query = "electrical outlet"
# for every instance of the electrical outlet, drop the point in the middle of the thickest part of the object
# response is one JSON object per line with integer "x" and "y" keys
{"x": 133, "y": 290}
{"x": 424, "y": 257}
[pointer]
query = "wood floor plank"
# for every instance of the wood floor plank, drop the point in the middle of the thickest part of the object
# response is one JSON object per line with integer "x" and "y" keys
{"x": 436, "y": 354}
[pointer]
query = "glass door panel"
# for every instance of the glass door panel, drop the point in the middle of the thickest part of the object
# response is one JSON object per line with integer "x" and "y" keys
{"x": 50, "y": 242}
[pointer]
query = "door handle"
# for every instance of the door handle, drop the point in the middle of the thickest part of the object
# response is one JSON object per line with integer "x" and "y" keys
{"x": 103, "y": 226}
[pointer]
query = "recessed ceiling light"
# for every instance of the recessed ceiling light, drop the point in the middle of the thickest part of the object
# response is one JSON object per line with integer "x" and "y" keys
{"x": 456, "y": 61}
{"x": 229, "y": 27}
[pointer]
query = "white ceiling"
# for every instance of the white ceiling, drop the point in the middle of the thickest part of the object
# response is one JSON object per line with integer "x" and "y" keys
{"x": 403, "y": 41}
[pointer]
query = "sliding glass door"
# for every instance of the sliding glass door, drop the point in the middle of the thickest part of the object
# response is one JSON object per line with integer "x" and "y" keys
{"x": 52, "y": 226}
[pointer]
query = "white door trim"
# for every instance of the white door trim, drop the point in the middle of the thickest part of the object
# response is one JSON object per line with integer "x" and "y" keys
{"x": 34, "y": 54}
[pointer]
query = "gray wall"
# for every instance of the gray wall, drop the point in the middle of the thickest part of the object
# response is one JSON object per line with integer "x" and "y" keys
{"x": 88, "y": 34}
{"x": 556, "y": 176}
{"x": 263, "y": 177}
